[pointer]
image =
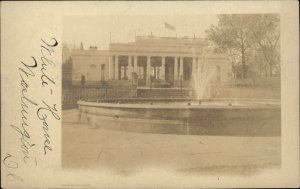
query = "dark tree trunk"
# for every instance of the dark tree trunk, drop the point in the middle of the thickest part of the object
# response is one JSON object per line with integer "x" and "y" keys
{"x": 243, "y": 65}
{"x": 233, "y": 70}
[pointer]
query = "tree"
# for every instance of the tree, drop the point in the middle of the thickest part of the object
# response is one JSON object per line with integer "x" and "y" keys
{"x": 67, "y": 51}
{"x": 233, "y": 37}
{"x": 242, "y": 36}
{"x": 67, "y": 64}
{"x": 67, "y": 72}
{"x": 265, "y": 31}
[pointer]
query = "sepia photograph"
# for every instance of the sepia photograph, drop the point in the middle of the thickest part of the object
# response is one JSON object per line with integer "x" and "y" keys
{"x": 150, "y": 94}
{"x": 196, "y": 94}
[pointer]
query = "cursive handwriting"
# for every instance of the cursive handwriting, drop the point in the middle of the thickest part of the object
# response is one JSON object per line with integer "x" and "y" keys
{"x": 42, "y": 114}
{"x": 45, "y": 78}
{"x": 25, "y": 72}
{"x": 10, "y": 164}
{"x": 28, "y": 73}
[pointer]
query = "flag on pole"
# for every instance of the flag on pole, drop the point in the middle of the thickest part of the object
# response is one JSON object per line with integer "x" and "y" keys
{"x": 169, "y": 27}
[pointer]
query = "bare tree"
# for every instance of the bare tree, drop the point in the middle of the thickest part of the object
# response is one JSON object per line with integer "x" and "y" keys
{"x": 266, "y": 33}
{"x": 67, "y": 51}
{"x": 233, "y": 37}
{"x": 241, "y": 36}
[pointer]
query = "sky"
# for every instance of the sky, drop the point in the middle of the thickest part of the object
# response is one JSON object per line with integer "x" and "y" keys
{"x": 100, "y": 30}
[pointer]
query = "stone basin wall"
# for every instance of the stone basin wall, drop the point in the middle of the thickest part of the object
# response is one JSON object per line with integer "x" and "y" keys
{"x": 257, "y": 119}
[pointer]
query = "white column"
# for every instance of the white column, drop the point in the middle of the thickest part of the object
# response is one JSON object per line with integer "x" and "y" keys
{"x": 116, "y": 67}
{"x": 162, "y": 72}
{"x": 106, "y": 72}
{"x": 175, "y": 68}
{"x": 113, "y": 67}
{"x": 110, "y": 68}
{"x": 129, "y": 67}
{"x": 135, "y": 68}
{"x": 148, "y": 72}
{"x": 181, "y": 68}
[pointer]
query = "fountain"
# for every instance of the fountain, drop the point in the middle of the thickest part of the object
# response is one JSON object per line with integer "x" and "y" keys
{"x": 201, "y": 80}
{"x": 200, "y": 116}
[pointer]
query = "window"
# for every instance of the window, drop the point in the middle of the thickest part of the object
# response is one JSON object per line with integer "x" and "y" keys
{"x": 141, "y": 70}
{"x": 91, "y": 74}
{"x": 155, "y": 71}
{"x": 124, "y": 72}
{"x": 187, "y": 68}
{"x": 156, "y": 62}
{"x": 123, "y": 67}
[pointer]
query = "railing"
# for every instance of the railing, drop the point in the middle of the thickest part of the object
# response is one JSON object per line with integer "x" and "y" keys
{"x": 70, "y": 96}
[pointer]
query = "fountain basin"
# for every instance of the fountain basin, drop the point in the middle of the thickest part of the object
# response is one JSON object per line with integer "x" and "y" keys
{"x": 185, "y": 116}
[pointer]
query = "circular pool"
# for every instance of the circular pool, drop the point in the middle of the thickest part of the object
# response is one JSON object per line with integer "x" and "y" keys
{"x": 185, "y": 116}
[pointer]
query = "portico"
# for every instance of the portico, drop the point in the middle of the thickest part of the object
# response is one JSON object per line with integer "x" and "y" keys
{"x": 151, "y": 61}
{"x": 152, "y": 68}
{"x": 156, "y": 60}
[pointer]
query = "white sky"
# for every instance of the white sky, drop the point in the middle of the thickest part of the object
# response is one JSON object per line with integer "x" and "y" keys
{"x": 95, "y": 30}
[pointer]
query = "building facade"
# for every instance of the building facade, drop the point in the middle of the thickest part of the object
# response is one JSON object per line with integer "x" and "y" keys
{"x": 155, "y": 61}
{"x": 92, "y": 65}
